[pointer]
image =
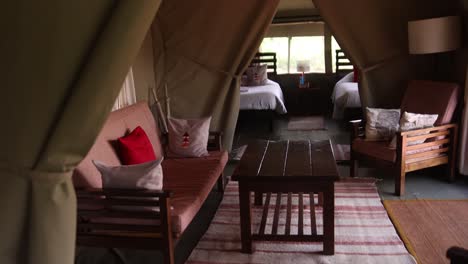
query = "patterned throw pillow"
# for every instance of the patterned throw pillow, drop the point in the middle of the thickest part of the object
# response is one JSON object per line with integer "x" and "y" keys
{"x": 412, "y": 121}
{"x": 256, "y": 75}
{"x": 148, "y": 175}
{"x": 188, "y": 137}
{"x": 381, "y": 124}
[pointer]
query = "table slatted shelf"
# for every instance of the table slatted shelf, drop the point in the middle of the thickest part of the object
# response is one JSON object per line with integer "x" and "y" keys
{"x": 287, "y": 227}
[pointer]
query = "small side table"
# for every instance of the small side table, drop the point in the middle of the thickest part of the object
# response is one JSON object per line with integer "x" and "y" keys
{"x": 305, "y": 101}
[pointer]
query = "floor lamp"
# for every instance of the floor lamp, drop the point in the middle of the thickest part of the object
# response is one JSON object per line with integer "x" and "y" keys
{"x": 433, "y": 36}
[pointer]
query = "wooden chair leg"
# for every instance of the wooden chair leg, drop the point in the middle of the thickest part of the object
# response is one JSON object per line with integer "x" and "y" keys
{"x": 166, "y": 232}
{"x": 400, "y": 183}
{"x": 451, "y": 174}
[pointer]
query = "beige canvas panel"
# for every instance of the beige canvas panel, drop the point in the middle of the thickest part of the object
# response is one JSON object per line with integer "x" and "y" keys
{"x": 63, "y": 63}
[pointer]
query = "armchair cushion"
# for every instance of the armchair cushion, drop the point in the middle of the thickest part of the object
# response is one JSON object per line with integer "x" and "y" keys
{"x": 428, "y": 97}
{"x": 375, "y": 149}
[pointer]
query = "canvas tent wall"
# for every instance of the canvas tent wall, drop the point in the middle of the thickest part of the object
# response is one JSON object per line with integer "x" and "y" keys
{"x": 374, "y": 34}
{"x": 63, "y": 63}
{"x": 200, "y": 52}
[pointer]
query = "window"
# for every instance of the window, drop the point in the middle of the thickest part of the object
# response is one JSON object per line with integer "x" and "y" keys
{"x": 311, "y": 42}
{"x": 289, "y": 50}
{"x": 280, "y": 46}
{"x": 309, "y": 49}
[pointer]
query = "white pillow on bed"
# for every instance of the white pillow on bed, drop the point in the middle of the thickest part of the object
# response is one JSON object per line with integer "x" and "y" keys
{"x": 257, "y": 75}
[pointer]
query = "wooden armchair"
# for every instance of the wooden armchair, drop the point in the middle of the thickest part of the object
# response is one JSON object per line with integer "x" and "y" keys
{"x": 440, "y": 141}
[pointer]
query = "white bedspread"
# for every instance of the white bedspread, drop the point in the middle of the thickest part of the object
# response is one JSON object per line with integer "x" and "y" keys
{"x": 265, "y": 97}
{"x": 345, "y": 95}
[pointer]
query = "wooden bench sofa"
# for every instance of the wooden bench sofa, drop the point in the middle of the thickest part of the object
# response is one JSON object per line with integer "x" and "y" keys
{"x": 142, "y": 219}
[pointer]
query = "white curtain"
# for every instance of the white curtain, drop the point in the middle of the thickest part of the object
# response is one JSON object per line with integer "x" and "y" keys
{"x": 127, "y": 95}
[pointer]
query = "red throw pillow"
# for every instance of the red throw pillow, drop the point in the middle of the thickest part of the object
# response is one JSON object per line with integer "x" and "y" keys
{"x": 355, "y": 74}
{"x": 136, "y": 148}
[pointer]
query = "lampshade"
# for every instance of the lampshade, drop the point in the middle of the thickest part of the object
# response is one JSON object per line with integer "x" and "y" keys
{"x": 434, "y": 35}
{"x": 303, "y": 65}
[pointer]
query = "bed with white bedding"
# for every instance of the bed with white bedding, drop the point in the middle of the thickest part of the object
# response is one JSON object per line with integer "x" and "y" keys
{"x": 264, "y": 97}
{"x": 345, "y": 95}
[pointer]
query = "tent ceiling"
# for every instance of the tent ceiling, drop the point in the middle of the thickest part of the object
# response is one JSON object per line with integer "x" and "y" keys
{"x": 296, "y": 8}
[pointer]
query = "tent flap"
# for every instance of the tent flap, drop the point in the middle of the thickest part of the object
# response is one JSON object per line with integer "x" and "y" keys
{"x": 374, "y": 35}
{"x": 201, "y": 49}
{"x": 63, "y": 75}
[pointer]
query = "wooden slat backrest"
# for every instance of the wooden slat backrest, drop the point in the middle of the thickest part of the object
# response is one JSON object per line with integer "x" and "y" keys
{"x": 268, "y": 58}
{"x": 342, "y": 63}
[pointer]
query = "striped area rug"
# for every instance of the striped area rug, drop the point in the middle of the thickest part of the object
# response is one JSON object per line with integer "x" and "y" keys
{"x": 364, "y": 233}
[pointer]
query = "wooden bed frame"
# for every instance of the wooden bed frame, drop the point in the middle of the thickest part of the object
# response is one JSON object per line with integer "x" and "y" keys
{"x": 268, "y": 58}
{"x": 342, "y": 63}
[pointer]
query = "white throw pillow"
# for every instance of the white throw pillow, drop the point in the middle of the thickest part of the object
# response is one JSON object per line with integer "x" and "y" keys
{"x": 148, "y": 175}
{"x": 412, "y": 121}
{"x": 188, "y": 137}
{"x": 381, "y": 124}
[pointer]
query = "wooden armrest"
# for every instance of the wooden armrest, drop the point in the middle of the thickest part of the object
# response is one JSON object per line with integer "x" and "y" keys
{"x": 215, "y": 140}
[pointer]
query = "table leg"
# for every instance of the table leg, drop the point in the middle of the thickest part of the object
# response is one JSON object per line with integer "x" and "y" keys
{"x": 245, "y": 217}
{"x": 329, "y": 220}
{"x": 258, "y": 198}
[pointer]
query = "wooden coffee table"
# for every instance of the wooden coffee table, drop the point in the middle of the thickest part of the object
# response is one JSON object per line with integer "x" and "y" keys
{"x": 284, "y": 168}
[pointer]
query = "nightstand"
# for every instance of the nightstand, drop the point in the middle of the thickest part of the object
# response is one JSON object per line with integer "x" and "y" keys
{"x": 306, "y": 101}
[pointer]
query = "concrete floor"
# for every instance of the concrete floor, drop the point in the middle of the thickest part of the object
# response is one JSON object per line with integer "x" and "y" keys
{"x": 424, "y": 184}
